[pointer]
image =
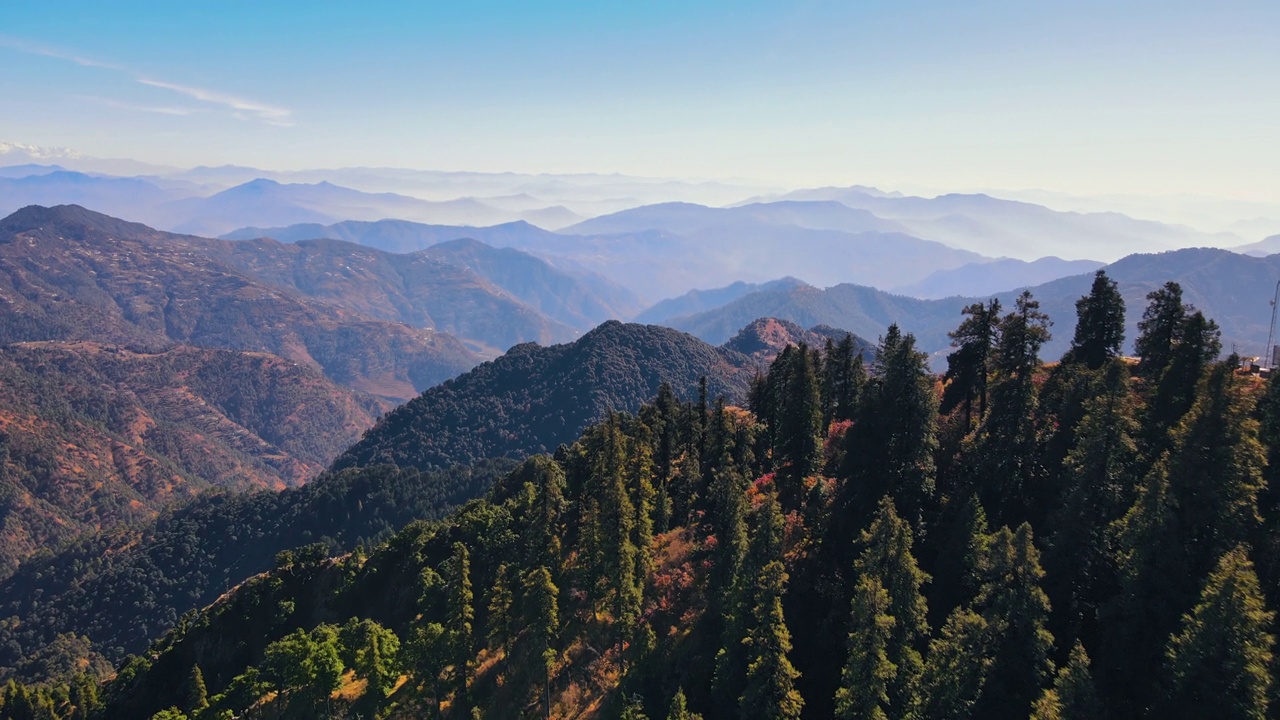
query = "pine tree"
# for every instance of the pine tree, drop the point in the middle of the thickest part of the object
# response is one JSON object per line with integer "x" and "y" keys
{"x": 1220, "y": 663}
{"x": 1159, "y": 330}
{"x": 1099, "y": 324}
{"x": 197, "y": 697}
{"x": 887, "y": 558}
{"x": 549, "y": 509}
{"x": 770, "y": 688}
{"x": 729, "y": 493}
{"x": 1197, "y": 346}
{"x": 501, "y": 600}
{"x": 373, "y": 652}
{"x": 969, "y": 366}
{"x": 679, "y": 710}
{"x": 864, "y": 683}
{"x": 1100, "y": 485}
{"x": 889, "y": 449}
{"x": 961, "y": 544}
{"x": 1198, "y": 502}
{"x": 633, "y": 710}
{"x": 1072, "y": 696}
{"x": 1016, "y": 612}
{"x": 666, "y": 431}
{"x": 621, "y": 555}
{"x": 1007, "y": 459}
{"x": 741, "y": 604}
{"x": 842, "y": 380}
{"x": 461, "y": 616}
{"x": 799, "y": 438}
{"x": 542, "y": 618}
{"x": 955, "y": 673}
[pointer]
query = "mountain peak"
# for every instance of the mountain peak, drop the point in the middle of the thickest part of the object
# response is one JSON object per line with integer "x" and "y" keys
{"x": 33, "y": 217}
{"x": 766, "y": 337}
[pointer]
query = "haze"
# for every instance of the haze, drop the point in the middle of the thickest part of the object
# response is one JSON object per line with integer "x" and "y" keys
{"x": 1086, "y": 98}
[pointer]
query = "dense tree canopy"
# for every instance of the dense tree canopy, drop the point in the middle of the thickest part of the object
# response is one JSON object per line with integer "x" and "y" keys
{"x": 1098, "y": 542}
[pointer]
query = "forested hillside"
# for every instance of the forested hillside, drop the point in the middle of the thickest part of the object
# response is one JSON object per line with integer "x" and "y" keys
{"x": 111, "y": 592}
{"x": 1096, "y": 538}
{"x": 533, "y": 399}
{"x": 67, "y": 273}
{"x": 415, "y": 289}
{"x": 97, "y": 436}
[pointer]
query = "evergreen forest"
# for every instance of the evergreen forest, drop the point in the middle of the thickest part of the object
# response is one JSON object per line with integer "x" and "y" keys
{"x": 1097, "y": 537}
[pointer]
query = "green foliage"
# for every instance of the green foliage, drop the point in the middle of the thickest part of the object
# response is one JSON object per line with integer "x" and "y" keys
{"x": 1016, "y": 611}
{"x": 955, "y": 674}
{"x": 1099, "y": 324}
{"x": 197, "y": 695}
{"x": 889, "y": 450}
{"x": 864, "y": 682}
{"x": 533, "y": 399}
{"x": 1072, "y": 696}
{"x": 120, "y": 590}
{"x": 799, "y": 428}
{"x": 1220, "y": 663}
{"x": 306, "y": 664}
{"x": 679, "y": 710}
{"x": 1159, "y": 330}
{"x": 501, "y": 600}
{"x": 462, "y": 615}
{"x": 770, "y": 689}
{"x": 887, "y": 560}
{"x": 1006, "y": 457}
{"x": 970, "y": 365}
{"x": 373, "y": 652}
{"x": 652, "y": 558}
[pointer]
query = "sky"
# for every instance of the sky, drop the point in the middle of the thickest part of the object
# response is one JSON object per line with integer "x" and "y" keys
{"x": 1081, "y": 97}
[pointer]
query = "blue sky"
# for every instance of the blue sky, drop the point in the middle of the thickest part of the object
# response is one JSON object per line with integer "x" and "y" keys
{"x": 1087, "y": 97}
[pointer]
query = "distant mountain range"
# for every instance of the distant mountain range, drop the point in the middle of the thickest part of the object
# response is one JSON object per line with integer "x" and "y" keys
{"x": 416, "y": 289}
{"x": 696, "y": 301}
{"x": 1233, "y": 289}
{"x": 400, "y": 236}
{"x": 998, "y": 227}
{"x": 1262, "y": 248}
{"x": 191, "y": 209}
{"x": 70, "y": 274}
{"x": 988, "y": 278}
{"x": 923, "y": 247}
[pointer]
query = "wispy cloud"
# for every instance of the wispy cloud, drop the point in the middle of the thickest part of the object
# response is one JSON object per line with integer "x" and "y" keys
{"x": 244, "y": 107}
{"x": 241, "y": 108}
{"x": 157, "y": 109}
{"x": 30, "y": 48}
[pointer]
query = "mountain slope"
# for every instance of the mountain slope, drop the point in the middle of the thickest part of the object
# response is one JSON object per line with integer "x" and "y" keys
{"x": 1234, "y": 289}
{"x": 554, "y": 292}
{"x": 416, "y": 289}
{"x": 399, "y": 236}
{"x": 997, "y": 227}
{"x": 996, "y": 276}
{"x": 121, "y": 197}
{"x": 765, "y": 338}
{"x": 533, "y": 398}
{"x": 823, "y": 242}
{"x": 562, "y": 290}
{"x": 267, "y": 202}
{"x": 95, "y": 436}
{"x": 696, "y": 301}
{"x": 1262, "y": 248}
{"x": 67, "y": 273}
{"x": 119, "y": 589}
